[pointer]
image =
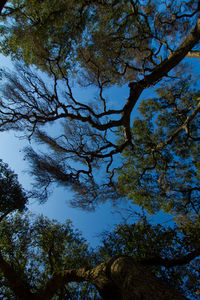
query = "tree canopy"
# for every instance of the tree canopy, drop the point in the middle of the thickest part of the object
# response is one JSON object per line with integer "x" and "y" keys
{"x": 162, "y": 170}
{"x": 89, "y": 43}
{"x": 70, "y": 57}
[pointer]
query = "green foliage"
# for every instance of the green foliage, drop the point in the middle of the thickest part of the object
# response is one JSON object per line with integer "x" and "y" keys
{"x": 113, "y": 41}
{"x": 118, "y": 40}
{"x": 42, "y": 32}
{"x": 12, "y": 195}
{"x": 37, "y": 247}
{"x": 103, "y": 43}
{"x": 161, "y": 171}
{"x": 100, "y": 43}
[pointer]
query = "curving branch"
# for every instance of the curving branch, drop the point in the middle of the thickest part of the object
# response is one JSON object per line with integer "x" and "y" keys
{"x": 162, "y": 69}
{"x": 184, "y": 126}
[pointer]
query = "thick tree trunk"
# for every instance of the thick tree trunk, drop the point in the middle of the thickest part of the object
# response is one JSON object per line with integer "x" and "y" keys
{"x": 124, "y": 279}
{"x": 120, "y": 278}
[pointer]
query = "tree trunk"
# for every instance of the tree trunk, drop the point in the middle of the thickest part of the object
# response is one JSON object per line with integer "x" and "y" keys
{"x": 119, "y": 278}
{"x": 124, "y": 279}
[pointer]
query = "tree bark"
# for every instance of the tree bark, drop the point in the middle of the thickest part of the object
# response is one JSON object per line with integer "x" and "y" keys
{"x": 137, "y": 283}
{"x": 128, "y": 280}
{"x": 193, "y": 54}
{"x": 120, "y": 278}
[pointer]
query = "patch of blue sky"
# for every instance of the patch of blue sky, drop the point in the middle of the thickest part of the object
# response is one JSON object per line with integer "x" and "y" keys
{"x": 57, "y": 206}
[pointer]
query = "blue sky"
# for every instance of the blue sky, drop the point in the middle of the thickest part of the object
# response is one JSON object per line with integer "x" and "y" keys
{"x": 90, "y": 223}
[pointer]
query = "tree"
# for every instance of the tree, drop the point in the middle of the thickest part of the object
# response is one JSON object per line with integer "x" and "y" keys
{"x": 137, "y": 46}
{"x": 12, "y": 195}
{"x": 171, "y": 253}
{"x": 32, "y": 250}
{"x": 162, "y": 171}
{"x": 104, "y": 44}
{"x": 41, "y": 258}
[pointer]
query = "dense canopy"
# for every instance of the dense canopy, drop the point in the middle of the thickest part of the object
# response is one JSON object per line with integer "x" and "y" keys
{"x": 162, "y": 170}
{"x": 82, "y": 44}
{"x": 83, "y": 67}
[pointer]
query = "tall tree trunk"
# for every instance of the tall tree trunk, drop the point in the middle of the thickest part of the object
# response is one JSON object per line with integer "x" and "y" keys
{"x": 124, "y": 279}
{"x": 120, "y": 278}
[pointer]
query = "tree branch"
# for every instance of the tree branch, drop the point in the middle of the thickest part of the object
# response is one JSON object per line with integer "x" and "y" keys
{"x": 177, "y": 261}
{"x": 59, "y": 279}
{"x": 162, "y": 70}
{"x": 184, "y": 126}
{"x": 193, "y": 54}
